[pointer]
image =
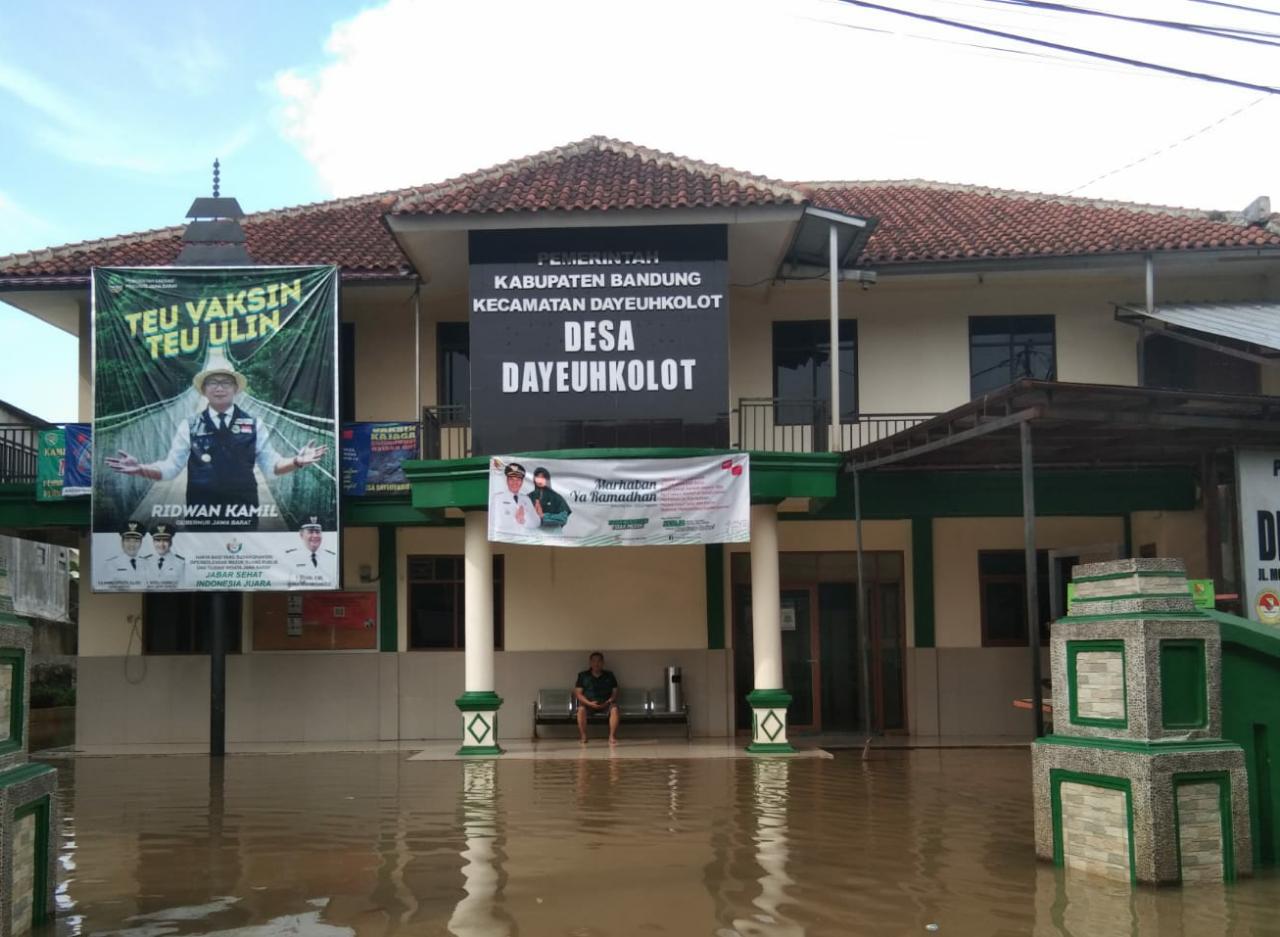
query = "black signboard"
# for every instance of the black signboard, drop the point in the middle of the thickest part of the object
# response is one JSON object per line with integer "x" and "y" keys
{"x": 599, "y": 337}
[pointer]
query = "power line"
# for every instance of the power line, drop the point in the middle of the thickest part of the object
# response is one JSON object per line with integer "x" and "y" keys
{"x": 1069, "y": 61}
{"x": 1171, "y": 146}
{"x": 1217, "y": 32}
{"x": 1076, "y": 50}
{"x": 1236, "y": 6}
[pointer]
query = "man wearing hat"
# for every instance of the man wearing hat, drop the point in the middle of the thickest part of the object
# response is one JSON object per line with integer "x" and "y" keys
{"x": 126, "y": 567}
{"x": 312, "y": 563}
{"x": 219, "y": 447}
{"x": 165, "y": 568}
{"x": 511, "y": 512}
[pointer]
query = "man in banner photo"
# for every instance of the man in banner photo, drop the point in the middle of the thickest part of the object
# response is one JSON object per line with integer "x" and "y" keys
{"x": 215, "y": 395}
{"x": 225, "y": 443}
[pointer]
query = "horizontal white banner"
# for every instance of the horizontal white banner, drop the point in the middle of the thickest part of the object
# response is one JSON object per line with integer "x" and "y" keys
{"x": 620, "y": 502}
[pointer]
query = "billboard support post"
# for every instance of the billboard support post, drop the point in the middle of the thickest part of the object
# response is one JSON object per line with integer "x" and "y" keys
{"x": 218, "y": 674}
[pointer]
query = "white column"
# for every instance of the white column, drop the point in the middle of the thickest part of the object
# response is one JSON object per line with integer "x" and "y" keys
{"x": 478, "y": 590}
{"x": 479, "y": 704}
{"x": 766, "y": 598}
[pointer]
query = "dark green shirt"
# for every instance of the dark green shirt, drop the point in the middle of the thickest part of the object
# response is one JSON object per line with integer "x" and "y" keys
{"x": 555, "y": 510}
{"x": 597, "y": 689}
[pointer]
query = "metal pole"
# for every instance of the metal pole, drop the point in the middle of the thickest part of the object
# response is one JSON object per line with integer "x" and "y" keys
{"x": 1033, "y": 592}
{"x": 417, "y": 352}
{"x": 834, "y": 362}
{"x": 1142, "y": 328}
{"x": 864, "y": 626}
{"x": 217, "y": 674}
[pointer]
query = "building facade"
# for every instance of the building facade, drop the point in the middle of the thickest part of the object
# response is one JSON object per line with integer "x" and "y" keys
{"x": 972, "y": 289}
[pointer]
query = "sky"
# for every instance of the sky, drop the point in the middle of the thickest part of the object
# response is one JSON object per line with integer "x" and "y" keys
{"x": 111, "y": 114}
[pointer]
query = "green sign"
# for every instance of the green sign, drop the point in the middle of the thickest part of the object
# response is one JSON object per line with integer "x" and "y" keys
{"x": 215, "y": 429}
{"x": 1202, "y": 592}
{"x": 49, "y": 462}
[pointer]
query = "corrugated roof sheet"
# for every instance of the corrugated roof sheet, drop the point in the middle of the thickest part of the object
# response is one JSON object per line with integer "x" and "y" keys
{"x": 1254, "y": 322}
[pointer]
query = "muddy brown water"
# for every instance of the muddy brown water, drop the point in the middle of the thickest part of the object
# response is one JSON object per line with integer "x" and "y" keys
{"x": 340, "y": 844}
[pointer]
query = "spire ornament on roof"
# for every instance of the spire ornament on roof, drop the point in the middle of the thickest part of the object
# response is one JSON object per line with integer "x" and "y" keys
{"x": 214, "y": 237}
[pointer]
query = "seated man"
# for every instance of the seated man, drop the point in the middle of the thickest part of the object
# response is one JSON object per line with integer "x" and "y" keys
{"x": 597, "y": 691}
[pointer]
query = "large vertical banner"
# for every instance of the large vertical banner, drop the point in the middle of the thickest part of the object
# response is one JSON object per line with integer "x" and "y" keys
{"x": 1258, "y": 494}
{"x": 215, "y": 431}
{"x": 584, "y": 337}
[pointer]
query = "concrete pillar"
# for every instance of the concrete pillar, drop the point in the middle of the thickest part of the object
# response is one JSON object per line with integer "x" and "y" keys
{"x": 768, "y": 700}
{"x": 479, "y": 703}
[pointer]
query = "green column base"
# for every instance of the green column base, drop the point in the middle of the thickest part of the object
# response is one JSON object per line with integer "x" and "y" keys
{"x": 479, "y": 722}
{"x": 769, "y": 722}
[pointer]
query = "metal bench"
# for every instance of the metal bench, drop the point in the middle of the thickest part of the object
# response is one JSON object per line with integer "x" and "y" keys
{"x": 635, "y": 707}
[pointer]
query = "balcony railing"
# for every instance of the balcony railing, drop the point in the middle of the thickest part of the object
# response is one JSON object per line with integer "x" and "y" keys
{"x": 19, "y": 446}
{"x": 761, "y": 424}
{"x": 766, "y": 424}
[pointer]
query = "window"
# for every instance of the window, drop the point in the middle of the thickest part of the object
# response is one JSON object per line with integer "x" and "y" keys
{"x": 801, "y": 370}
{"x": 453, "y": 368}
{"x": 178, "y": 623}
{"x": 1003, "y": 589}
{"x": 1003, "y": 349}
{"x": 436, "y": 603}
{"x": 1180, "y": 365}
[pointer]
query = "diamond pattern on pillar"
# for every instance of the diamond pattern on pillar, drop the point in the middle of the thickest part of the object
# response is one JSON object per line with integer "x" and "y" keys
{"x": 772, "y": 726}
{"x": 483, "y": 732}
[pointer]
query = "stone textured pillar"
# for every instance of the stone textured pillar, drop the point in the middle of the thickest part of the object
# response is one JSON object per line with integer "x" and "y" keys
{"x": 768, "y": 700}
{"x": 479, "y": 703}
{"x": 1136, "y": 783}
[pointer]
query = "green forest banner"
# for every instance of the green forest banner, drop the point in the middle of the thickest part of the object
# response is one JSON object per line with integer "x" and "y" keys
{"x": 215, "y": 431}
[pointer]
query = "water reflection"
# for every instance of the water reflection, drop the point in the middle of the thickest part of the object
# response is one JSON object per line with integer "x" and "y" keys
{"x": 771, "y": 792}
{"x": 378, "y": 845}
{"x": 477, "y": 914}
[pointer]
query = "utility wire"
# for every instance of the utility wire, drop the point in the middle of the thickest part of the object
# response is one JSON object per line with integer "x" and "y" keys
{"x": 1076, "y": 50}
{"x": 1236, "y": 6}
{"x": 1069, "y": 61}
{"x": 1217, "y": 32}
{"x": 1171, "y": 146}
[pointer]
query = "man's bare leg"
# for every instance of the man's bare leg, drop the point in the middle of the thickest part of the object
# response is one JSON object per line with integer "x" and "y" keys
{"x": 582, "y": 724}
{"x": 613, "y": 725}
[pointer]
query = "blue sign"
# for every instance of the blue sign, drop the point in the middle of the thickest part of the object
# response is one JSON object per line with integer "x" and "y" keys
{"x": 373, "y": 457}
{"x": 77, "y": 469}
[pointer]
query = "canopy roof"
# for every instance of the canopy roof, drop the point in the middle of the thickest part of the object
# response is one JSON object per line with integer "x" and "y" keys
{"x": 1252, "y": 323}
{"x": 1078, "y": 426}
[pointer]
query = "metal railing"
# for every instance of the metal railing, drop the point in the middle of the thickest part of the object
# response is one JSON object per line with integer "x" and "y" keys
{"x": 19, "y": 447}
{"x": 768, "y": 424}
{"x": 445, "y": 432}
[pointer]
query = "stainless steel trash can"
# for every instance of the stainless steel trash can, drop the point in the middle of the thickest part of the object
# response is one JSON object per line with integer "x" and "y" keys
{"x": 675, "y": 689}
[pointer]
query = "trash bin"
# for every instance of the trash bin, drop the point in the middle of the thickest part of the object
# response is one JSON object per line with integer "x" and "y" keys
{"x": 675, "y": 690}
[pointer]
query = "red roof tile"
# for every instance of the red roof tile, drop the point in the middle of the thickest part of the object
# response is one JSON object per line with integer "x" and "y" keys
{"x": 348, "y": 232}
{"x": 918, "y": 221}
{"x": 597, "y": 174}
{"x": 926, "y": 221}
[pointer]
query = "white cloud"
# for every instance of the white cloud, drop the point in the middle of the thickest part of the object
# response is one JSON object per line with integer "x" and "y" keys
{"x": 77, "y": 134}
{"x": 19, "y": 227}
{"x": 414, "y": 92}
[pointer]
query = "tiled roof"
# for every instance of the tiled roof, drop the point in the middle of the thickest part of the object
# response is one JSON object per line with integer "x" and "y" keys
{"x": 348, "y": 232}
{"x": 918, "y": 221}
{"x": 929, "y": 221}
{"x": 597, "y": 174}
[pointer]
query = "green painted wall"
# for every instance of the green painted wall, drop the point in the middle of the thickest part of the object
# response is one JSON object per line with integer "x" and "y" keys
{"x": 388, "y": 604}
{"x": 1251, "y": 718}
{"x": 922, "y": 579}
{"x": 715, "y": 596}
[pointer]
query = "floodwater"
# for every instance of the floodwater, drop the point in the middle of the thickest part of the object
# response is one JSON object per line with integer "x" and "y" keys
{"x": 344, "y": 844}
